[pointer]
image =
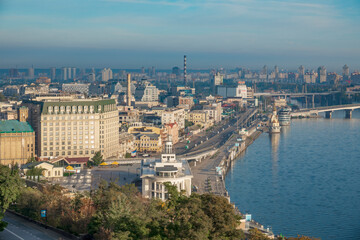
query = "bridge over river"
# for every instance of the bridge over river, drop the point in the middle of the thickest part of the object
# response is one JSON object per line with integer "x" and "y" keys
{"x": 328, "y": 111}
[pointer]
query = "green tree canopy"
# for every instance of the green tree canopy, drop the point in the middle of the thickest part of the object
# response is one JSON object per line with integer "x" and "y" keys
{"x": 96, "y": 159}
{"x": 10, "y": 185}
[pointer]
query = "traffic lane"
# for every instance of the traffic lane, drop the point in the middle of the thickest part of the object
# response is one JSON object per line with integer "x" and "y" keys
{"x": 22, "y": 229}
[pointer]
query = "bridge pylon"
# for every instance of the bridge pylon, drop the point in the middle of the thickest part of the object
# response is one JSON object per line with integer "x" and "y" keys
{"x": 328, "y": 114}
{"x": 348, "y": 113}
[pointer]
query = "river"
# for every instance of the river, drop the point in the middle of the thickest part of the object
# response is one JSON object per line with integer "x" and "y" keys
{"x": 305, "y": 180}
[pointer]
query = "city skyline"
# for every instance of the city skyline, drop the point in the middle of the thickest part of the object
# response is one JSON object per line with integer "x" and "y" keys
{"x": 129, "y": 34}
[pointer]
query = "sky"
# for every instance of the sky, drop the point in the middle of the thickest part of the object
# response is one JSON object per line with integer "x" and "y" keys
{"x": 212, "y": 33}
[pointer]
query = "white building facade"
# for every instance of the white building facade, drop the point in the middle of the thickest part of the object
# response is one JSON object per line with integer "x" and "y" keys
{"x": 167, "y": 169}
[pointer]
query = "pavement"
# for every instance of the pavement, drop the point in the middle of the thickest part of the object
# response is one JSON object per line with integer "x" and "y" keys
{"x": 205, "y": 177}
{"x": 89, "y": 179}
{"x": 21, "y": 229}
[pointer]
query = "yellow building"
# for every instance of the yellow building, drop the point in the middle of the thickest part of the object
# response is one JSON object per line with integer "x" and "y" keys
{"x": 17, "y": 142}
{"x": 198, "y": 117}
{"x": 74, "y": 127}
{"x": 148, "y": 142}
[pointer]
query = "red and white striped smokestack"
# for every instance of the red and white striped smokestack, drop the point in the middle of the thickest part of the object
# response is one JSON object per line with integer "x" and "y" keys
{"x": 185, "y": 70}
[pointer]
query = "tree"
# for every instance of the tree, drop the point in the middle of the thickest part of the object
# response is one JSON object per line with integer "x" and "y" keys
{"x": 10, "y": 186}
{"x": 97, "y": 159}
{"x": 31, "y": 160}
{"x": 255, "y": 234}
{"x": 2, "y": 98}
{"x": 35, "y": 172}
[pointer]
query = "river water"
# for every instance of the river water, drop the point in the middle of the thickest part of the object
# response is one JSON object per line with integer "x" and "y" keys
{"x": 305, "y": 180}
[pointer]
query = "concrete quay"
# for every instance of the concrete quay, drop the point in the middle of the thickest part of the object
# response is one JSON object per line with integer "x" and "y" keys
{"x": 209, "y": 174}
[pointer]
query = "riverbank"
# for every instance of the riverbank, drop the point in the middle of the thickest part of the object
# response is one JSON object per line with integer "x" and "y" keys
{"x": 209, "y": 175}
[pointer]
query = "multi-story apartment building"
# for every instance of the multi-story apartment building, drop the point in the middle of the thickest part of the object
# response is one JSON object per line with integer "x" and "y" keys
{"x": 186, "y": 102}
{"x": 75, "y": 88}
{"x": 213, "y": 111}
{"x": 198, "y": 117}
{"x": 174, "y": 115}
{"x": 126, "y": 143}
{"x": 74, "y": 127}
{"x": 146, "y": 92}
{"x": 106, "y": 74}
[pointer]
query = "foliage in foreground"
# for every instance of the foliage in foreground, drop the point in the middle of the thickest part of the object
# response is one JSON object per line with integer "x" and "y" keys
{"x": 10, "y": 185}
{"x": 70, "y": 214}
{"x": 120, "y": 212}
{"x": 123, "y": 214}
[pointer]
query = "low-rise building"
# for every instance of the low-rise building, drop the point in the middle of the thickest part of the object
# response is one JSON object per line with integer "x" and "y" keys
{"x": 156, "y": 172}
{"x": 49, "y": 170}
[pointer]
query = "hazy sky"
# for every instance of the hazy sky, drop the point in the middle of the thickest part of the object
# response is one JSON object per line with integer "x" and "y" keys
{"x": 213, "y": 33}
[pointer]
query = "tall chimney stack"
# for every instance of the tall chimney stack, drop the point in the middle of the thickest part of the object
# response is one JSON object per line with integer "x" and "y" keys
{"x": 129, "y": 89}
{"x": 185, "y": 70}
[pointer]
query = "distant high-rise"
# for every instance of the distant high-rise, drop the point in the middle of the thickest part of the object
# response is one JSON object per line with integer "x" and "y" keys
{"x": 301, "y": 71}
{"x": 176, "y": 71}
{"x": 64, "y": 75}
{"x": 31, "y": 73}
{"x": 276, "y": 71}
{"x": 53, "y": 73}
{"x": 13, "y": 72}
{"x": 264, "y": 70}
{"x": 217, "y": 80}
{"x": 185, "y": 70}
{"x": 73, "y": 73}
{"x": 346, "y": 73}
{"x": 321, "y": 74}
{"x": 69, "y": 73}
{"x": 106, "y": 74}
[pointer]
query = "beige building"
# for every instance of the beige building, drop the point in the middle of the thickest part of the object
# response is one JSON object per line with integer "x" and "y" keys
{"x": 213, "y": 111}
{"x": 198, "y": 117}
{"x": 126, "y": 144}
{"x": 172, "y": 130}
{"x": 186, "y": 102}
{"x": 17, "y": 142}
{"x": 74, "y": 127}
{"x": 174, "y": 115}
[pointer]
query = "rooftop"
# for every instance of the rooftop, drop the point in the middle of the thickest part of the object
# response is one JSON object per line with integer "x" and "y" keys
{"x": 14, "y": 126}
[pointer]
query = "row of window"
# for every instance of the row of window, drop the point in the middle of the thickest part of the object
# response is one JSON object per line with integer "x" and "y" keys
{"x": 70, "y": 146}
{"x": 68, "y": 138}
{"x": 69, "y": 153}
{"x": 80, "y": 109}
{"x": 69, "y": 118}
{"x": 68, "y": 123}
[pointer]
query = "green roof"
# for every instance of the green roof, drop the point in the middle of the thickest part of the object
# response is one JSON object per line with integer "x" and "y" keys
{"x": 14, "y": 126}
{"x": 96, "y": 103}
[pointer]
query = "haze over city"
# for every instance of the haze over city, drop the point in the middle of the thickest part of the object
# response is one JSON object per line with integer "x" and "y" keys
{"x": 131, "y": 34}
